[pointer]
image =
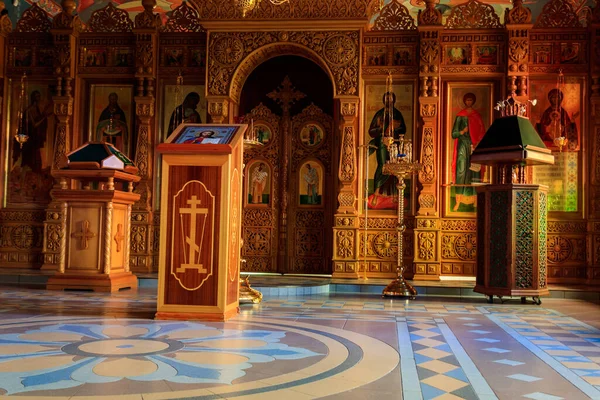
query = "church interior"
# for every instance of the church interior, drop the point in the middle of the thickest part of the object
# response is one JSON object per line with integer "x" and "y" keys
{"x": 339, "y": 199}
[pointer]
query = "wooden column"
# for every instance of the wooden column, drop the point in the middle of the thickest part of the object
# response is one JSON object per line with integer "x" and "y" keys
{"x": 593, "y": 144}
{"x": 65, "y": 31}
{"x": 218, "y": 109}
{"x": 345, "y": 230}
{"x": 143, "y": 251}
{"x": 427, "y": 260}
{"x": 518, "y": 25}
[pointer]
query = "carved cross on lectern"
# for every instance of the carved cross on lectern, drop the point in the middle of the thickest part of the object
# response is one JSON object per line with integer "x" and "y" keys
{"x": 119, "y": 237}
{"x": 191, "y": 239}
{"x": 84, "y": 234}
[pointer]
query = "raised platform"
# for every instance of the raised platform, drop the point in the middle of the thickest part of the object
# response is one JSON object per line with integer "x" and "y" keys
{"x": 294, "y": 286}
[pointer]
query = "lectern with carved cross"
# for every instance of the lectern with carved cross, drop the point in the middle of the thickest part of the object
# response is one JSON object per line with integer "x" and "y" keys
{"x": 95, "y": 191}
{"x": 200, "y": 222}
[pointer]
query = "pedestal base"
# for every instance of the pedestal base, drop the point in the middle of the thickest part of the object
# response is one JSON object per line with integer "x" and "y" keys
{"x": 247, "y": 294}
{"x": 97, "y": 283}
{"x": 399, "y": 288}
{"x": 199, "y": 316}
{"x": 522, "y": 293}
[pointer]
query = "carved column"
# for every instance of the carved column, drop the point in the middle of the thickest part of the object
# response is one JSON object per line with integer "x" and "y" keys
{"x": 427, "y": 259}
{"x": 345, "y": 254}
{"x": 593, "y": 272}
{"x": 5, "y": 29}
{"x": 65, "y": 30}
{"x": 518, "y": 25}
{"x": 146, "y": 29}
{"x": 218, "y": 109}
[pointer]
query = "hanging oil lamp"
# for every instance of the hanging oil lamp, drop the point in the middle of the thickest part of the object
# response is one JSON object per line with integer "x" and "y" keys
{"x": 22, "y": 136}
{"x": 558, "y": 124}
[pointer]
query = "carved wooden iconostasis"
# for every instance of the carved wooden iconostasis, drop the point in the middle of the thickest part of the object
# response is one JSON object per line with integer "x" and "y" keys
{"x": 314, "y": 198}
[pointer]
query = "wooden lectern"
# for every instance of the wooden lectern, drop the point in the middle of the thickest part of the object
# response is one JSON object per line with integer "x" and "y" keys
{"x": 512, "y": 213}
{"x": 96, "y": 193}
{"x": 200, "y": 222}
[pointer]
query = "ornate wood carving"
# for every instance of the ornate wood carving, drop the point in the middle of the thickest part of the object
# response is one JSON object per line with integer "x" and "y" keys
{"x": 337, "y": 50}
{"x": 473, "y": 15}
{"x": 394, "y": 17}
{"x": 519, "y": 14}
{"x": 184, "y": 19}
{"x": 34, "y": 19}
{"x": 558, "y": 14}
{"x": 298, "y": 9}
{"x": 110, "y": 19}
{"x": 148, "y": 20}
{"x": 431, "y": 16}
{"x": 261, "y": 225}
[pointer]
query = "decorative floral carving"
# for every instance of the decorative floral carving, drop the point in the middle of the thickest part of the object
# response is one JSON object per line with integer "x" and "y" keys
{"x": 394, "y": 17}
{"x": 468, "y": 225}
{"x": 425, "y": 223}
{"x": 349, "y": 108}
{"x": 519, "y": 14}
{"x": 426, "y": 245}
{"x": 344, "y": 221}
{"x": 34, "y": 19}
{"x": 347, "y": 171}
{"x": 5, "y": 25}
{"x": 338, "y": 50}
{"x": 60, "y": 146}
{"x": 228, "y": 50}
{"x": 184, "y": 19}
{"x": 258, "y": 217}
{"x": 379, "y": 223}
{"x": 559, "y": 249}
{"x": 567, "y": 226}
{"x": 110, "y": 19}
{"x": 257, "y": 241}
{"x": 25, "y": 236}
{"x": 148, "y": 20}
{"x": 66, "y": 21}
{"x": 431, "y": 16}
{"x": 465, "y": 247}
{"x": 518, "y": 49}
{"x": 301, "y": 9}
{"x": 428, "y": 110}
{"x": 473, "y": 15}
{"x": 345, "y": 243}
{"x": 427, "y": 174}
{"x": 558, "y": 14}
{"x": 385, "y": 244}
{"x": 139, "y": 235}
{"x": 430, "y": 51}
{"x": 310, "y": 219}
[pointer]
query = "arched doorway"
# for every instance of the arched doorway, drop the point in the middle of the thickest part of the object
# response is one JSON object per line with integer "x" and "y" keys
{"x": 289, "y": 180}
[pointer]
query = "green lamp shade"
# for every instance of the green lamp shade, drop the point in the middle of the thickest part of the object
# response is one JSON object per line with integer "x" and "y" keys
{"x": 99, "y": 155}
{"x": 512, "y": 140}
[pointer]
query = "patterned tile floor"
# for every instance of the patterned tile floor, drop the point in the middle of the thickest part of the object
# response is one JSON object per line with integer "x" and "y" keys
{"x": 79, "y": 345}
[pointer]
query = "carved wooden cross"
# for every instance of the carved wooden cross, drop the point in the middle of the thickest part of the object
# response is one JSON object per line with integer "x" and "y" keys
{"x": 194, "y": 248}
{"x": 119, "y": 237}
{"x": 286, "y": 95}
{"x": 84, "y": 234}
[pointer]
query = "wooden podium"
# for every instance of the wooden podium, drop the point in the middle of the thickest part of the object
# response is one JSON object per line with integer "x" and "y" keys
{"x": 96, "y": 193}
{"x": 200, "y": 223}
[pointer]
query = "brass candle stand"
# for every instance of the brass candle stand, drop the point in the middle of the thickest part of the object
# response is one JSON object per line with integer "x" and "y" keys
{"x": 401, "y": 166}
